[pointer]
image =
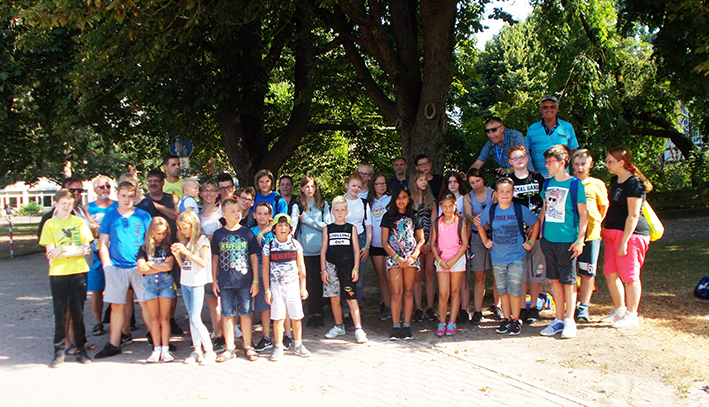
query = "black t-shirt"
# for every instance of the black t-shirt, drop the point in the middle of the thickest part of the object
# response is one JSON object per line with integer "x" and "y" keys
{"x": 618, "y": 195}
{"x": 339, "y": 244}
{"x": 527, "y": 191}
{"x": 435, "y": 184}
{"x": 402, "y": 232}
{"x": 167, "y": 201}
{"x": 160, "y": 255}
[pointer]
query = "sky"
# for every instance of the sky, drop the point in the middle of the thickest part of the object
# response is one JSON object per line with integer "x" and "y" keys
{"x": 519, "y": 10}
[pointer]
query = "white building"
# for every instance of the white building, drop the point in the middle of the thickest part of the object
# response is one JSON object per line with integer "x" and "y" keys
{"x": 42, "y": 192}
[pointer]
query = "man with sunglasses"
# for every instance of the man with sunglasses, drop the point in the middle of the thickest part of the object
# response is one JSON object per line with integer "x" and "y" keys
{"x": 501, "y": 140}
{"x": 548, "y": 132}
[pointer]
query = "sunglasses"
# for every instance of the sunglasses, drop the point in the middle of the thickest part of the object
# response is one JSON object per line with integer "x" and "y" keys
{"x": 103, "y": 187}
{"x": 75, "y": 190}
{"x": 493, "y": 129}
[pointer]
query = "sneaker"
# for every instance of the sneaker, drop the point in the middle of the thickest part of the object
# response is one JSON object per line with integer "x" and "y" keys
{"x": 219, "y": 342}
{"x": 149, "y": 340}
{"x": 127, "y": 339}
{"x": 263, "y": 344}
{"x": 497, "y": 313}
{"x": 477, "y": 318}
{"x": 349, "y": 323}
{"x": 193, "y": 358}
{"x": 504, "y": 327}
{"x": 463, "y": 317}
{"x": 406, "y": 333}
{"x": 167, "y": 357}
{"x": 431, "y": 314}
{"x": 82, "y": 357}
{"x": 385, "y": 314}
{"x": 154, "y": 357}
{"x": 361, "y": 336}
{"x": 553, "y": 328}
{"x": 98, "y": 330}
{"x": 237, "y": 332}
{"x": 583, "y": 315}
{"x": 209, "y": 359}
{"x": 451, "y": 329}
{"x": 515, "y": 328}
{"x": 303, "y": 352}
{"x": 569, "y": 331}
{"x": 616, "y": 315}
{"x": 287, "y": 341}
{"x": 58, "y": 360}
{"x": 418, "y": 315}
{"x": 228, "y": 354}
{"x": 441, "y": 329}
{"x": 628, "y": 320}
{"x": 532, "y": 316}
{"x": 174, "y": 328}
{"x": 108, "y": 351}
{"x": 277, "y": 353}
{"x": 395, "y": 334}
{"x": 335, "y": 331}
{"x": 523, "y": 314}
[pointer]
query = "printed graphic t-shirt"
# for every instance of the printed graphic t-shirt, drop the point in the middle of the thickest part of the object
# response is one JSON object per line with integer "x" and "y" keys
{"x": 234, "y": 248}
{"x": 66, "y": 232}
{"x": 560, "y": 225}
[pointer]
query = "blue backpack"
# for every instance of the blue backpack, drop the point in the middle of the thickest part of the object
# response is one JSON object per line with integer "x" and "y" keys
{"x": 574, "y": 190}
{"x": 702, "y": 288}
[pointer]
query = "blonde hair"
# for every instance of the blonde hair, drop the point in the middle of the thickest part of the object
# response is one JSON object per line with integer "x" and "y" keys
{"x": 339, "y": 200}
{"x": 190, "y": 218}
{"x": 189, "y": 181}
{"x": 149, "y": 244}
{"x": 418, "y": 196}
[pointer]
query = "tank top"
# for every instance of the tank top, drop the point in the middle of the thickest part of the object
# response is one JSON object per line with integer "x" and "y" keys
{"x": 426, "y": 221}
{"x": 339, "y": 244}
{"x": 448, "y": 242}
{"x": 479, "y": 207}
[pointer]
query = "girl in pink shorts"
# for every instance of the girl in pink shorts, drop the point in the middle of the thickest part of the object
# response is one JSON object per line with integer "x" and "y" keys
{"x": 449, "y": 240}
{"x": 626, "y": 235}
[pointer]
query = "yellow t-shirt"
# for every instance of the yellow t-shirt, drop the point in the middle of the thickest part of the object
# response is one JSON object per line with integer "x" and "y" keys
{"x": 596, "y": 195}
{"x": 66, "y": 232}
{"x": 174, "y": 188}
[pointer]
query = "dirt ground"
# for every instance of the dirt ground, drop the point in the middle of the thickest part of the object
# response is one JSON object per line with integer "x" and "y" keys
{"x": 654, "y": 364}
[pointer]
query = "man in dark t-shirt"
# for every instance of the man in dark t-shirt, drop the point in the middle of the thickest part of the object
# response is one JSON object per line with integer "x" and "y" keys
{"x": 159, "y": 203}
{"x": 435, "y": 181}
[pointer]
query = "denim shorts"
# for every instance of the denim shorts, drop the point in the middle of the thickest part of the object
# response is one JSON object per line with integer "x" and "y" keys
{"x": 509, "y": 277}
{"x": 233, "y": 297}
{"x": 160, "y": 285}
{"x": 260, "y": 304}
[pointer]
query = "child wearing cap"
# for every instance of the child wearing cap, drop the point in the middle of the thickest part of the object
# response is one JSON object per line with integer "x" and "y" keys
{"x": 284, "y": 284}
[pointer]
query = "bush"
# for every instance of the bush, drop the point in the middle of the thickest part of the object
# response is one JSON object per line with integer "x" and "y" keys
{"x": 30, "y": 209}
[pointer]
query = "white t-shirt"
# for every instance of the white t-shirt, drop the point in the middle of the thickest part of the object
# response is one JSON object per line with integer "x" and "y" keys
{"x": 210, "y": 223}
{"x": 192, "y": 274}
{"x": 356, "y": 214}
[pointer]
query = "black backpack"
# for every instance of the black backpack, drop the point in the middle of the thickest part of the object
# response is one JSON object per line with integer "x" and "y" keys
{"x": 518, "y": 214}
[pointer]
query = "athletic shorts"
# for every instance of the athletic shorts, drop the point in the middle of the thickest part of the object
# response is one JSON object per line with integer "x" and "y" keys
{"x": 285, "y": 300}
{"x": 535, "y": 265}
{"x": 118, "y": 281}
{"x": 377, "y": 251}
{"x": 628, "y": 266}
{"x": 480, "y": 260}
{"x": 560, "y": 265}
{"x": 339, "y": 284}
{"x": 588, "y": 260}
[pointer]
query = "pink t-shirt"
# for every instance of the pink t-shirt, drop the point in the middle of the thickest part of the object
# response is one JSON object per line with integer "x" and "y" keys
{"x": 448, "y": 241}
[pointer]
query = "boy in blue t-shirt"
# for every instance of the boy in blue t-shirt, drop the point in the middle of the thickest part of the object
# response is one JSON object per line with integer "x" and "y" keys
{"x": 564, "y": 216}
{"x": 235, "y": 274}
{"x": 264, "y": 234}
{"x": 508, "y": 245}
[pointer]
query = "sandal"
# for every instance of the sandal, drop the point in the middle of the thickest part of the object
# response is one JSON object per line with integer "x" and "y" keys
{"x": 251, "y": 354}
{"x": 71, "y": 350}
{"x": 98, "y": 330}
{"x": 226, "y": 355}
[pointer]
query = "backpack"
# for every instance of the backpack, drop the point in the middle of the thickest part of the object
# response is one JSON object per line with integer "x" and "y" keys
{"x": 301, "y": 210}
{"x": 460, "y": 228}
{"x": 653, "y": 222}
{"x": 518, "y": 214}
{"x": 574, "y": 190}
{"x": 365, "y": 204}
{"x": 702, "y": 288}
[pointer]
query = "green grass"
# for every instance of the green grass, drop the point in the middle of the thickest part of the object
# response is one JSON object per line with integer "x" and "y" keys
{"x": 675, "y": 266}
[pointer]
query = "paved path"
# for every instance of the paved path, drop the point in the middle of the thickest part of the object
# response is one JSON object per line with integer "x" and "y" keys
{"x": 340, "y": 372}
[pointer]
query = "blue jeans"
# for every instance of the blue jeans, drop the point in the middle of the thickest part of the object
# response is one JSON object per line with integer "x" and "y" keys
{"x": 509, "y": 277}
{"x": 359, "y": 284}
{"x": 194, "y": 300}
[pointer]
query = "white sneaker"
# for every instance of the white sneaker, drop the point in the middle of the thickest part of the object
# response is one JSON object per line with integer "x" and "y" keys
{"x": 335, "y": 332}
{"x": 628, "y": 320}
{"x": 167, "y": 357}
{"x": 193, "y": 358}
{"x": 154, "y": 357}
{"x": 209, "y": 358}
{"x": 569, "y": 331}
{"x": 301, "y": 351}
{"x": 360, "y": 336}
{"x": 616, "y": 315}
{"x": 277, "y": 353}
{"x": 237, "y": 332}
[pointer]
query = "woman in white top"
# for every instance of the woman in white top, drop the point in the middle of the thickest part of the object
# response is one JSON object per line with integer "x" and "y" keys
{"x": 209, "y": 222}
{"x": 378, "y": 200}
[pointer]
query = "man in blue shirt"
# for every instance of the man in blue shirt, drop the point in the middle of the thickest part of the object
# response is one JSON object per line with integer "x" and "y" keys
{"x": 548, "y": 132}
{"x": 501, "y": 140}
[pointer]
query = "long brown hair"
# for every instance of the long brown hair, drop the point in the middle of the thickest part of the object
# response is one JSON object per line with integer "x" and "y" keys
{"x": 426, "y": 197}
{"x": 317, "y": 198}
{"x": 622, "y": 153}
{"x": 149, "y": 244}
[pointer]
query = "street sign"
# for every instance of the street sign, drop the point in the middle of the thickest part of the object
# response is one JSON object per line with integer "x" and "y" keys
{"x": 181, "y": 146}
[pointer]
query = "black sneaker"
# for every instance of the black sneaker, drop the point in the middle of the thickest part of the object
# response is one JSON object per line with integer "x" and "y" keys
{"x": 349, "y": 323}
{"x": 477, "y": 318}
{"x": 174, "y": 328}
{"x": 108, "y": 351}
{"x": 263, "y": 344}
{"x": 395, "y": 334}
{"x": 515, "y": 328}
{"x": 127, "y": 339}
{"x": 504, "y": 327}
{"x": 523, "y": 314}
{"x": 463, "y": 316}
{"x": 406, "y": 333}
{"x": 287, "y": 341}
{"x": 58, "y": 360}
{"x": 497, "y": 313}
{"x": 418, "y": 315}
{"x": 431, "y": 314}
{"x": 219, "y": 342}
{"x": 82, "y": 357}
{"x": 532, "y": 315}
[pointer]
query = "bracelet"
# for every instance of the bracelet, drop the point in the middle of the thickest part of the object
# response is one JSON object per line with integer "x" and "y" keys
{"x": 189, "y": 257}
{"x": 366, "y": 246}
{"x": 355, "y": 269}
{"x": 260, "y": 234}
{"x": 509, "y": 171}
{"x": 267, "y": 292}
{"x": 439, "y": 262}
{"x": 530, "y": 242}
{"x": 395, "y": 257}
{"x": 581, "y": 242}
{"x": 61, "y": 248}
{"x": 428, "y": 243}
{"x": 255, "y": 281}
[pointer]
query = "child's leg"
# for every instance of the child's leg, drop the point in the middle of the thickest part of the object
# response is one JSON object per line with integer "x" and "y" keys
{"x": 464, "y": 292}
{"x": 418, "y": 288}
{"x": 534, "y": 290}
{"x": 165, "y": 305}
{"x": 246, "y": 325}
{"x": 396, "y": 285}
{"x": 214, "y": 311}
{"x": 128, "y": 312}
{"x": 278, "y": 332}
{"x": 60, "y": 298}
{"x": 515, "y": 277}
{"x": 570, "y": 300}
{"x": 297, "y": 325}
{"x": 354, "y": 309}
{"x": 456, "y": 282}
{"x": 287, "y": 326}
{"x": 266, "y": 322}
{"x": 479, "y": 290}
{"x": 97, "y": 306}
{"x": 146, "y": 316}
{"x": 336, "y": 306}
{"x": 515, "y": 305}
{"x": 76, "y": 298}
{"x": 153, "y": 307}
{"x": 409, "y": 277}
{"x": 586, "y": 290}
{"x": 444, "y": 291}
{"x": 500, "y": 272}
{"x": 495, "y": 293}
{"x": 228, "y": 329}
{"x": 559, "y": 299}
{"x": 505, "y": 305}
{"x": 430, "y": 278}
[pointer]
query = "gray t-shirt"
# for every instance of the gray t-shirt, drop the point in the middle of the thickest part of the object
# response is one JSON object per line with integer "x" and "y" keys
{"x": 283, "y": 260}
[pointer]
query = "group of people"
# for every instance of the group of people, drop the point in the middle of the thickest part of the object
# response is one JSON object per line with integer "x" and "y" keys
{"x": 281, "y": 255}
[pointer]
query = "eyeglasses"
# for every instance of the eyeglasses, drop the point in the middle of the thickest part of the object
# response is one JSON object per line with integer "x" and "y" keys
{"x": 380, "y": 184}
{"x": 226, "y": 188}
{"x": 493, "y": 129}
{"x": 518, "y": 158}
{"x": 246, "y": 198}
{"x": 365, "y": 174}
{"x": 548, "y": 107}
{"x": 547, "y": 162}
{"x": 426, "y": 164}
{"x": 75, "y": 190}
{"x": 103, "y": 186}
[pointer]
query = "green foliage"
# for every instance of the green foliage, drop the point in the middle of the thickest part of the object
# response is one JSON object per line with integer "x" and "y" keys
{"x": 30, "y": 209}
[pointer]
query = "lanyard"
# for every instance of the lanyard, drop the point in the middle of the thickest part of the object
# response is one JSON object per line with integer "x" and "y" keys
{"x": 499, "y": 150}
{"x": 546, "y": 129}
